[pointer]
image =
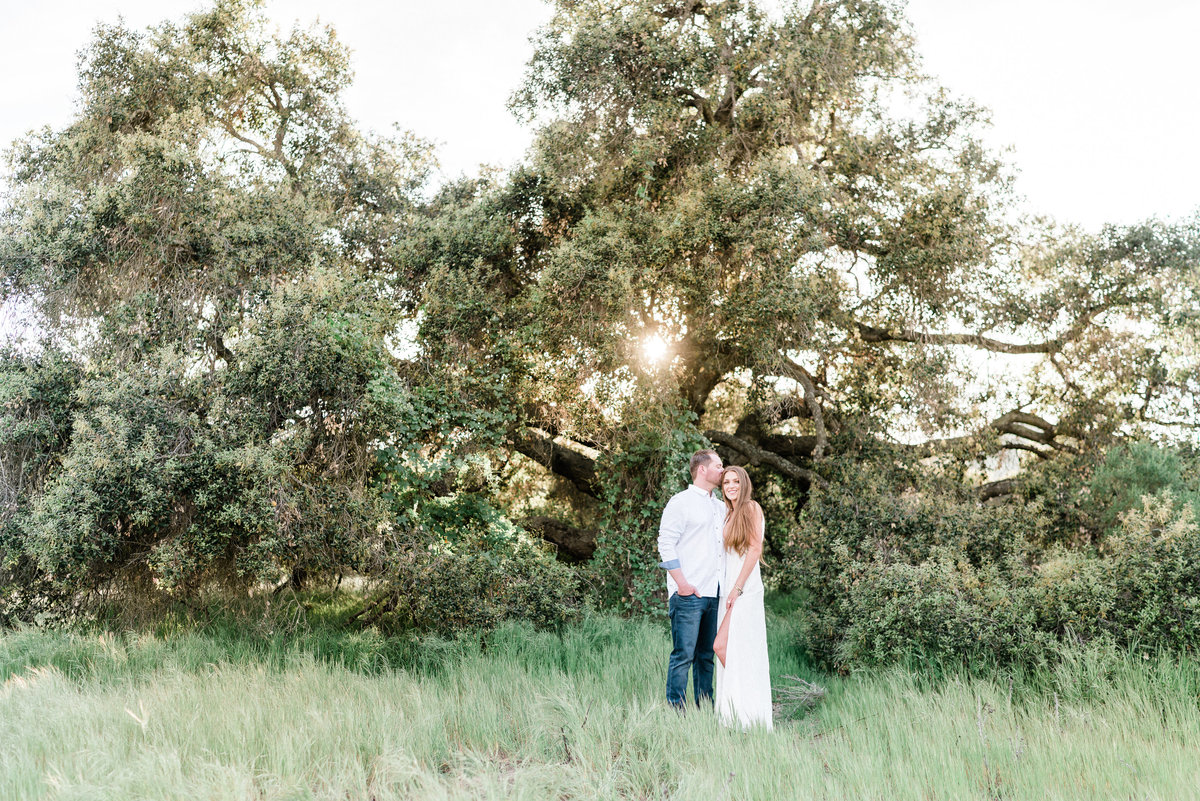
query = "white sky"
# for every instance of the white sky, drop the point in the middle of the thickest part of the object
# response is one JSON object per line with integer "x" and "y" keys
{"x": 1099, "y": 99}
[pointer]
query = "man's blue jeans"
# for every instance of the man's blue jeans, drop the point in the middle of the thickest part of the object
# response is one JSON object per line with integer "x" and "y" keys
{"x": 693, "y": 629}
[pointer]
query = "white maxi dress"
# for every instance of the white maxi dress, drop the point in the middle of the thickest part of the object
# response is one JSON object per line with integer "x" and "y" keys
{"x": 743, "y": 692}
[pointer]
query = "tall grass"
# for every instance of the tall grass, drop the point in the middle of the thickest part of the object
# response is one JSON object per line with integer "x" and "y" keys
{"x": 236, "y": 712}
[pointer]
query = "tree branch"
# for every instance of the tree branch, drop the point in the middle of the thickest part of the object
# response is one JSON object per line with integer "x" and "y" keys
{"x": 574, "y": 544}
{"x": 258, "y": 147}
{"x": 569, "y": 463}
{"x": 1171, "y": 423}
{"x": 698, "y": 102}
{"x": 1016, "y": 423}
{"x": 805, "y": 380}
{"x": 1031, "y": 427}
{"x": 997, "y": 489}
{"x": 756, "y": 455}
{"x": 705, "y": 365}
{"x": 1021, "y": 446}
{"x": 872, "y": 334}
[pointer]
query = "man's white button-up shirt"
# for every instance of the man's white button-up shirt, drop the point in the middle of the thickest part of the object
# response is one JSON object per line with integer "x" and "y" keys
{"x": 690, "y": 538}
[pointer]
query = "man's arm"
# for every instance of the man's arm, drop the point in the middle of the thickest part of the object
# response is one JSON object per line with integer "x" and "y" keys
{"x": 669, "y": 532}
{"x": 684, "y": 587}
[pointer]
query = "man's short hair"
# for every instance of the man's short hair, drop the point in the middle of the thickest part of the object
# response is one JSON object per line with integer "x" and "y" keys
{"x": 701, "y": 458}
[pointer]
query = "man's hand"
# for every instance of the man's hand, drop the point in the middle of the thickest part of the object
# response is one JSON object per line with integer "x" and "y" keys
{"x": 685, "y": 586}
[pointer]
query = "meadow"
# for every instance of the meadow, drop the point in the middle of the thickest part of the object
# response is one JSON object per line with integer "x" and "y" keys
{"x": 289, "y": 706}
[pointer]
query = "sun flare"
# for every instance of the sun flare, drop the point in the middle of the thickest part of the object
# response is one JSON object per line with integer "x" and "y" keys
{"x": 654, "y": 349}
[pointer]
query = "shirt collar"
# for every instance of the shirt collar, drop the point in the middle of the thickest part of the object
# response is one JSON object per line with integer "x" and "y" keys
{"x": 696, "y": 489}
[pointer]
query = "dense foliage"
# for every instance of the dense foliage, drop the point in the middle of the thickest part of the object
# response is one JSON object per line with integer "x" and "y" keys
{"x": 773, "y": 230}
{"x": 903, "y": 576}
{"x": 211, "y": 247}
{"x": 276, "y": 353}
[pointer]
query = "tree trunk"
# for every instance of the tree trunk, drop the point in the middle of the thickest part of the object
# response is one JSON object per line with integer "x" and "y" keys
{"x": 574, "y": 544}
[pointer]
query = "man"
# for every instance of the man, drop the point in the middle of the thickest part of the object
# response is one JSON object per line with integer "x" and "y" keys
{"x": 692, "y": 549}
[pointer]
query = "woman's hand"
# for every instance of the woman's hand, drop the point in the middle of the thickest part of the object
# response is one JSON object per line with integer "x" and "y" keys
{"x": 733, "y": 596}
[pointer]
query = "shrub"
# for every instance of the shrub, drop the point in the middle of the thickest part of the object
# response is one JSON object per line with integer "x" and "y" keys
{"x": 156, "y": 478}
{"x": 1153, "y": 564}
{"x": 1073, "y": 595}
{"x": 443, "y": 591}
{"x": 890, "y": 579}
{"x": 1130, "y": 472}
{"x": 885, "y": 572}
{"x": 37, "y": 404}
{"x": 448, "y": 557}
{"x": 942, "y": 607}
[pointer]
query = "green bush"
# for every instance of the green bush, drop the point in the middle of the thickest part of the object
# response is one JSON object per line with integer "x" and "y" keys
{"x": 891, "y": 578}
{"x": 443, "y": 590}
{"x": 118, "y": 482}
{"x": 871, "y": 518}
{"x": 887, "y": 573}
{"x": 156, "y": 490}
{"x": 1153, "y": 564}
{"x": 37, "y": 405}
{"x": 942, "y": 607}
{"x": 1073, "y": 595}
{"x": 1133, "y": 470}
{"x": 153, "y": 477}
{"x": 447, "y": 556}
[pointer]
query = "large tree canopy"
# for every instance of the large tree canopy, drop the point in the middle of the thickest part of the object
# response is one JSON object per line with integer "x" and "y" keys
{"x": 204, "y": 242}
{"x": 811, "y": 234}
{"x": 274, "y": 345}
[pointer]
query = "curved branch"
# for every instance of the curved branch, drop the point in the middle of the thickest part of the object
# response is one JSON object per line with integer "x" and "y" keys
{"x": 1023, "y": 425}
{"x": 1021, "y": 446}
{"x": 578, "y": 468}
{"x": 1031, "y": 427}
{"x": 1171, "y": 423}
{"x": 756, "y": 455}
{"x": 753, "y": 429}
{"x": 872, "y": 334}
{"x": 805, "y": 380}
{"x": 791, "y": 446}
{"x": 274, "y": 153}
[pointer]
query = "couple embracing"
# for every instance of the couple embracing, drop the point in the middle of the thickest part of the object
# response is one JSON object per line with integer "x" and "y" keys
{"x": 710, "y": 548}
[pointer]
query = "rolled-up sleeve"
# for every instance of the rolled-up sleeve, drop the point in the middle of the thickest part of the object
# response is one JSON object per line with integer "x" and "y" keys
{"x": 670, "y": 529}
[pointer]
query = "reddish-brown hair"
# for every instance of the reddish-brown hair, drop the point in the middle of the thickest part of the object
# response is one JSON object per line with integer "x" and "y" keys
{"x": 741, "y": 521}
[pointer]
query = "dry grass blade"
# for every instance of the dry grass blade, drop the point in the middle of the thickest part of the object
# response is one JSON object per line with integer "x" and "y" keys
{"x": 795, "y": 696}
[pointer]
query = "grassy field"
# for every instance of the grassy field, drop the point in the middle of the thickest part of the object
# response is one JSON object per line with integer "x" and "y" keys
{"x": 252, "y": 711}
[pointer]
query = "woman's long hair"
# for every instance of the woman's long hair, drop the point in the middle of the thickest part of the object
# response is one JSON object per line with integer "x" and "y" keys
{"x": 740, "y": 519}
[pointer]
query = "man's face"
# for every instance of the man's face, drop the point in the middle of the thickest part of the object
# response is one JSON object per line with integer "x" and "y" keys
{"x": 711, "y": 470}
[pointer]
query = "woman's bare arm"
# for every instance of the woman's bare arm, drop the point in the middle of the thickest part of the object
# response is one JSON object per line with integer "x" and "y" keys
{"x": 753, "y": 554}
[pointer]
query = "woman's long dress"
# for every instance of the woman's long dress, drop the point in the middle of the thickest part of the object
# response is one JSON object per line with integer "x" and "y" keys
{"x": 743, "y": 695}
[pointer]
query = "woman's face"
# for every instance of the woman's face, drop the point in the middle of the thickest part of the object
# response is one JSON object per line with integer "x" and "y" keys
{"x": 731, "y": 485}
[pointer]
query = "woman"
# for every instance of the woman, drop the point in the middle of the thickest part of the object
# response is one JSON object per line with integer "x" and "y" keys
{"x": 743, "y": 672}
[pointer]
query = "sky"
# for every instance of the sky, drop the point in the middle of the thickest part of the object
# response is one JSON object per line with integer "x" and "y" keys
{"x": 1098, "y": 100}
